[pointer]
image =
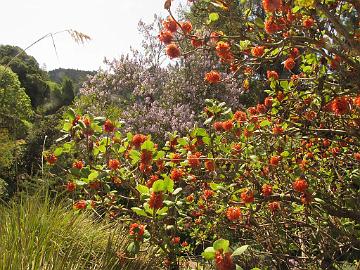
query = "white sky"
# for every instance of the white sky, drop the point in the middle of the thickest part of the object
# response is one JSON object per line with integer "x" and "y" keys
{"x": 112, "y": 25}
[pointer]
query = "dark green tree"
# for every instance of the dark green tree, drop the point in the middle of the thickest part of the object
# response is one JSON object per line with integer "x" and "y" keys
{"x": 67, "y": 90}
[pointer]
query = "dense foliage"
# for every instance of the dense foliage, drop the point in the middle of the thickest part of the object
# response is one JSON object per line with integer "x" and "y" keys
{"x": 280, "y": 179}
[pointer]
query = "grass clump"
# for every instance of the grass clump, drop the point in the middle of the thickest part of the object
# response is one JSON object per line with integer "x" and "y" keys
{"x": 38, "y": 233}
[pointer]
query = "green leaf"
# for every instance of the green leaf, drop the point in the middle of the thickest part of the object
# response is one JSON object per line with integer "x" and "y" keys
{"x": 285, "y": 154}
{"x": 214, "y": 16}
{"x": 158, "y": 186}
{"x": 148, "y": 145}
{"x": 139, "y": 211}
{"x": 135, "y": 156}
{"x": 209, "y": 253}
{"x": 58, "y": 151}
{"x": 133, "y": 247}
{"x": 102, "y": 148}
{"x": 143, "y": 189}
{"x": 265, "y": 123}
{"x": 221, "y": 244}
{"x": 67, "y": 127}
{"x": 169, "y": 184}
{"x": 284, "y": 85}
{"x": 259, "y": 22}
{"x": 92, "y": 176}
{"x": 215, "y": 186}
{"x": 162, "y": 210}
{"x": 240, "y": 250}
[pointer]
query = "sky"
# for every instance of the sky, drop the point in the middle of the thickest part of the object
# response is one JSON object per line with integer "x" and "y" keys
{"x": 112, "y": 25}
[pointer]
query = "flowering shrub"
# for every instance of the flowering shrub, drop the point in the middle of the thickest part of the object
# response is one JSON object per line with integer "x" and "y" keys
{"x": 279, "y": 180}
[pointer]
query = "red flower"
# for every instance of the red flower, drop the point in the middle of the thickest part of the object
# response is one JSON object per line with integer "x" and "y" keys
{"x": 156, "y": 200}
{"x": 137, "y": 229}
{"x": 165, "y": 37}
{"x": 274, "y": 206}
{"x": 176, "y": 174}
{"x": 138, "y": 139}
{"x": 294, "y": 53}
{"x": 151, "y": 181}
{"x": 270, "y": 26}
{"x": 261, "y": 108}
{"x": 257, "y": 51}
{"x": 272, "y": 5}
{"x": 218, "y": 126}
{"x": 214, "y": 36}
{"x": 289, "y": 63}
{"x": 51, "y": 159}
{"x": 109, "y": 126}
{"x": 233, "y": 213}
{"x": 340, "y": 105}
{"x": 213, "y": 77}
{"x": 170, "y": 24}
{"x": 184, "y": 244}
{"x": 300, "y": 185}
{"x": 70, "y": 186}
{"x": 268, "y": 102}
{"x": 194, "y": 160}
{"x": 175, "y": 240}
{"x": 172, "y": 50}
{"x": 186, "y": 27}
{"x": 146, "y": 157}
{"x": 222, "y": 48}
{"x": 308, "y": 22}
{"x": 240, "y": 116}
{"x": 80, "y": 204}
{"x": 247, "y": 196}
{"x": 266, "y": 190}
{"x": 271, "y": 74}
{"x": 357, "y": 156}
{"x": 208, "y": 193}
{"x": 227, "y": 125}
{"x": 224, "y": 261}
{"x": 79, "y": 164}
{"x": 114, "y": 164}
{"x": 252, "y": 110}
{"x": 274, "y": 160}
{"x": 196, "y": 42}
{"x": 190, "y": 198}
{"x": 335, "y": 151}
{"x": 277, "y": 130}
{"x": 357, "y": 101}
{"x": 210, "y": 165}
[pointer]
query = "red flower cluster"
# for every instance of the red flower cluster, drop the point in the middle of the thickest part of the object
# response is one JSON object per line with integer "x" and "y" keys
{"x": 208, "y": 193}
{"x": 80, "y": 204}
{"x": 272, "y": 5}
{"x": 340, "y": 105}
{"x": 151, "y": 180}
{"x": 308, "y": 22}
{"x": 138, "y": 139}
{"x": 51, "y": 159}
{"x": 114, "y": 164}
{"x": 233, "y": 213}
{"x": 271, "y": 74}
{"x": 223, "y": 50}
{"x": 300, "y": 185}
{"x": 156, "y": 200}
{"x": 257, "y": 51}
{"x": 137, "y": 230}
{"x": 274, "y": 160}
{"x": 176, "y": 174}
{"x": 186, "y": 27}
{"x": 289, "y": 63}
{"x": 224, "y": 261}
{"x": 210, "y": 165}
{"x": 213, "y": 77}
{"x": 266, "y": 190}
{"x": 247, "y": 196}
{"x": 194, "y": 160}
{"x": 173, "y": 51}
{"x": 109, "y": 126}
{"x": 79, "y": 164}
{"x": 170, "y": 25}
{"x": 274, "y": 206}
{"x": 165, "y": 37}
{"x": 240, "y": 116}
{"x": 70, "y": 186}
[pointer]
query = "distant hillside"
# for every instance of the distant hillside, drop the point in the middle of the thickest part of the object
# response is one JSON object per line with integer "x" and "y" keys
{"x": 77, "y": 76}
